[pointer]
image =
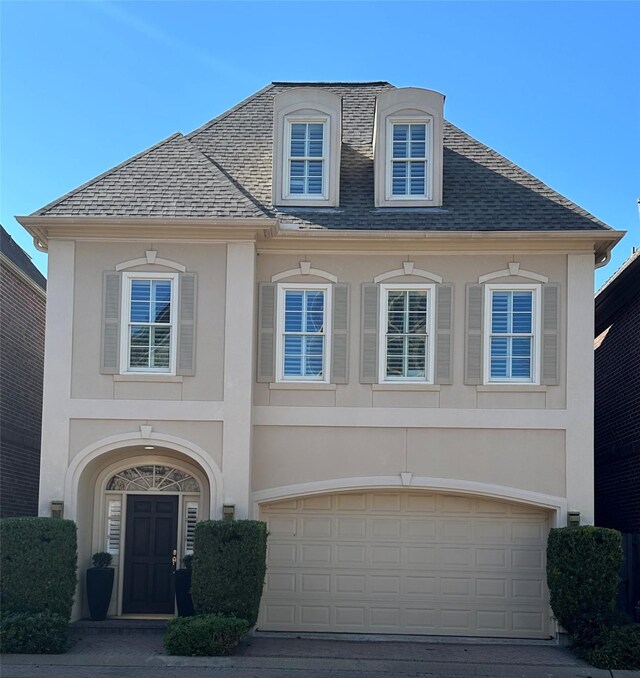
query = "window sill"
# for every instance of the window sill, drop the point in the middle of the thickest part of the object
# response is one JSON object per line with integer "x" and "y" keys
{"x": 168, "y": 378}
{"x": 512, "y": 388}
{"x": 301, "y": 386}
{"x": 405, "y": 387}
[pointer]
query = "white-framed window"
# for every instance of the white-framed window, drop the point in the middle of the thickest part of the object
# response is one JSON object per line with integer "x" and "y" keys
{"x": 409, "y": 159}
{"x": 303, "y": 332}
{"x": 406, "y": 345}
{"x": 149, "y": 322}
{"x": 306, "y": 159}
{"x": 512, "y": 334}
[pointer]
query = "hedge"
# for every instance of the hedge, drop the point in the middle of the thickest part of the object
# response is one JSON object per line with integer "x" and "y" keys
{"x": 33, "y": 633}
{"x": 204, "y": 636}
{"x": 582, "y": 574}
{"x": 37, "y": 565}
{"x": 229, "y": 565}
{"x": 615, "y": 648}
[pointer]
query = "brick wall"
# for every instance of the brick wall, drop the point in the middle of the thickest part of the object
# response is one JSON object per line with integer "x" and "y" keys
{"x": 22, "y": 316}
{"x": 617, "y": 421}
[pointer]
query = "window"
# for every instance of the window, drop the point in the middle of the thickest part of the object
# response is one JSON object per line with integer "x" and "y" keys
{"x": 148, "y": 342}
{"x": 306, "y": 162}
{"x": 409, "y": 170}
{"x": 303, "y": 332}
{"x": 406, "y": 333}
{"x": 512, "y": 333}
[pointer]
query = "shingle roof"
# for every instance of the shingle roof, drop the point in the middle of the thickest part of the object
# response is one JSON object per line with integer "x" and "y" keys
{"x": 224, "y": 169}
{"x": 10, "y": 248}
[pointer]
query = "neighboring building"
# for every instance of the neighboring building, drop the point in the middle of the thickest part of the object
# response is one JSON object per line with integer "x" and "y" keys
{"x": 22, "y": 313}
{"x": 330, "y": 309}
{"x": 617, "y": 402}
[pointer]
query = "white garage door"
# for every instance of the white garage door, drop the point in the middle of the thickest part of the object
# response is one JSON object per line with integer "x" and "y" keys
{"x": 406, "y": 562}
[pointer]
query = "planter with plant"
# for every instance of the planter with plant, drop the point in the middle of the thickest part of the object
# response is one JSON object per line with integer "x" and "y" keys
{"x": 100, "y": 585}
{"x": 183, "y": 588}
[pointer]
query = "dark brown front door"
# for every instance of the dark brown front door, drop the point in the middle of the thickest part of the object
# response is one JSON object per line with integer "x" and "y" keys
{"x": 152, "y": 529}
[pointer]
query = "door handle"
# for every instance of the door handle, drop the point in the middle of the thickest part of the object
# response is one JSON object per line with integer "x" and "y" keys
{"x": 174, "y": 557}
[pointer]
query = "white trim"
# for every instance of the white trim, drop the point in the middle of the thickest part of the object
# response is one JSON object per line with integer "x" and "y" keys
{"x": 427, "y": 121}
{"x": 382, "y": 332}
{"x": 125, "y": 321}
{"x": 536, "y": 332}
{"x": 150, "y": 258}
{"x": 328, "y": 306}
{"x": 408, "y": 270}
{"x": 292, "y": 119}
{"x": 515, "y": 270}
{"x": 304, "y": 269}
{"x": 558, "y": 505}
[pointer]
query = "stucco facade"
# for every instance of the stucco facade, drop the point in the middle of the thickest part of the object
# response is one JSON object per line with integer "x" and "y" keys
{"x": 253, "y": 442}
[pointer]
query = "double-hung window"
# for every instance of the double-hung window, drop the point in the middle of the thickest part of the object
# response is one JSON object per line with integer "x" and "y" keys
{"x": 409, "y": 167}
{"x": 406, "y": 333}
{"x": 512, "y": 333}
{"x": 303, "y": 332}
{"x": 306, "y": 158}
{"x": 149, "y": 327}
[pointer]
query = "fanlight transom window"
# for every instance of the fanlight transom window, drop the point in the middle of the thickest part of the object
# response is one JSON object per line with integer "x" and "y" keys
{"x": 153, "y": 478}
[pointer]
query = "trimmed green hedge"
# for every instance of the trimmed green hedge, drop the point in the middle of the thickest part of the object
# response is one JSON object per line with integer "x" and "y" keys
{"x": 37, "y": 565}
{"x": 615, "y": 648}
{"x": 204, "y": 636}
{"x": 33, "y": 633}
{"x": 229, "y": 566}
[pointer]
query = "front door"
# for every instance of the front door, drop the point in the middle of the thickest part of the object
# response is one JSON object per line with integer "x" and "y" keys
{"x": 150, "y": 543}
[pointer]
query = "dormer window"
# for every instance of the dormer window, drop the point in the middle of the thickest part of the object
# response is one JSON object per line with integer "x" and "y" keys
{"x": 408, "y": 148}
{"x": 306, "y": 148}
{"x": 307, "y": 159}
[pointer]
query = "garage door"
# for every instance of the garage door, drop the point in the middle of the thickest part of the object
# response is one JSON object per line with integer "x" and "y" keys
{"x": 406, "y": 562}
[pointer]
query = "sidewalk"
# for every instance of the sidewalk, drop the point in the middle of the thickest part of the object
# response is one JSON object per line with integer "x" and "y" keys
{"x": 142, "y": 656}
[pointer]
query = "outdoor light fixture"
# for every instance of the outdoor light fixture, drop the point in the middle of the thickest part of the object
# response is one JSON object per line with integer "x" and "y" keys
{"x": 228, "y": 511}
{"x": 573, "y": 519}
{"x": 149, "y": 447}
{"x": 57, "y": 508}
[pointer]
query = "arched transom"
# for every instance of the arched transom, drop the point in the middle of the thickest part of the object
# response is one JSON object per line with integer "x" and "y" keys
{"x": 154, "y": 478}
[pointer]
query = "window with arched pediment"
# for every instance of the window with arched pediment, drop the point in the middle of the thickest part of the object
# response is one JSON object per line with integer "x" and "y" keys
{"x": 153, "y": 477}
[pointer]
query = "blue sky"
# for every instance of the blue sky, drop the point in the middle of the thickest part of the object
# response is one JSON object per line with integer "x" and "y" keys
{"x": 554, "y": 86}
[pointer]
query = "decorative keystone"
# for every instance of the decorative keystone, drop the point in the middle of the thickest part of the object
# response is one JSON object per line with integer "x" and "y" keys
{"x": 151, "y": 256}
{"x": 408, "y": 267}
{"x": 514, "y": 268}
{"x": 406, "y": 478}
{"x": 145, "y": 431}
{"x": 305, "y": 267}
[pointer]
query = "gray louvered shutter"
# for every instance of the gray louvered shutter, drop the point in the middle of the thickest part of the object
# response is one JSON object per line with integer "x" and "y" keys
{"x": 550, "y": 334}
{"x": 473, "y": 339}
{"x": 111, "y": 295}
{"x": 266, "y": 332}
{"x": 369, "y": 334}
{"x": 186, "y": 365}
{"x": 444, "y": 334}
{"x": 340, "y": 335}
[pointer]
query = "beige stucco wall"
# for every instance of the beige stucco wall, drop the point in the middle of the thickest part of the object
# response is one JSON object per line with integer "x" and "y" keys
{"x": 457, "y": 269}
{"x": 91, "y": 260}
{"x": 530, "y": 460}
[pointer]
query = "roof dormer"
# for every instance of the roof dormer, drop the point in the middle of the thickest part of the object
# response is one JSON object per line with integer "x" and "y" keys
{"x": 306, "y": 148}
{"x": 408, "y": 148}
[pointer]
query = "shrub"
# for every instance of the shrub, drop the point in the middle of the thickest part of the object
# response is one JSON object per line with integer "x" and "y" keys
{"x": 616, "y": 648}
{"x": 582, "y": 574}
{"x": 33, "y": 633}
{"x": 101, "y": 559}
{"x": 37, "y": 565}
{"x": 204, "y": 636}
{"x": 229, "y": 565}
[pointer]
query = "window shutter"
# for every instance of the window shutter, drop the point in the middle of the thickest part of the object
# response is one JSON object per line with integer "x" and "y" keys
{"x": 114, "y": 515}
{"x": 187, "y": 325}
{"x": 340, "y": 335}
{"x": 550, "y": 331}
{"x": 369, "y": 334}
{"x": 266, "y": 332}
{"x": 473, "y": 339}
{"x": 444, "y": 320}
{"x": 111, "y": 295}
{"x": 190, "y": 520}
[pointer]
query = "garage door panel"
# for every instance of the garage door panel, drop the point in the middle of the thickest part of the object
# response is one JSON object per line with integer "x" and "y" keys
{"x": 405, "y": 562}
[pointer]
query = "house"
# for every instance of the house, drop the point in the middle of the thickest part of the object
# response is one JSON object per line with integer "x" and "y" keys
{"x": 22, "y": 312}
{"x": 617, "y": 399}
{"x": 332, "y": 310}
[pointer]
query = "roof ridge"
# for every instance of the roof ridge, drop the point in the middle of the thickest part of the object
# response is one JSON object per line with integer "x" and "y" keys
{"x": 332, "y": 83}
{"x": 229, "y": 111}
{"x": 563, "y": 200}
{"x": 104, "y": 174}
{"x": 635, "y": 254}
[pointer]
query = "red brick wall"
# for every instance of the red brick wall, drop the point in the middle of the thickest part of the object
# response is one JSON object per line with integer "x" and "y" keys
{"x": 22, "y": 316}
{"x": 617, "y": 422}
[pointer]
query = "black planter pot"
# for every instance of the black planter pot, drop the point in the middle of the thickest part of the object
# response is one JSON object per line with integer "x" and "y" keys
{"x": 183, "y": 593}
{"x": 99, "y": 587}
